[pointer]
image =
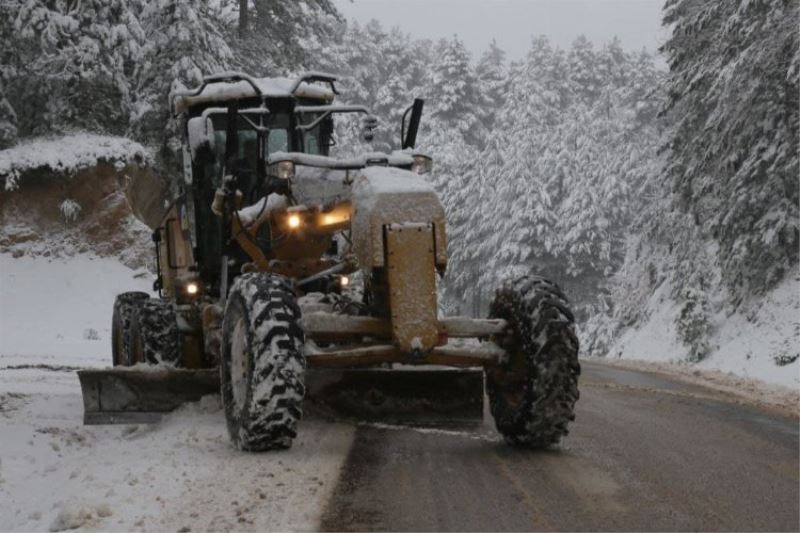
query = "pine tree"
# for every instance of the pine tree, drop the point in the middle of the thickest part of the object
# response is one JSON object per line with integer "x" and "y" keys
{"x": 584, "y": 69}
{"x": 454, "y": 97}
{"x": 8, "y": 121}
{"x": 183, "y": 44}
{"x": 493, "y": 81}
{"x": 733, "y": 162}
{"x": 74, "y": 61}
{"x": 282, "y": 38}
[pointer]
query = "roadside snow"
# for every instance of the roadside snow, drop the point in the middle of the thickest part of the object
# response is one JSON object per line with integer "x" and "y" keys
{"x": 58, "y": 311}
{"x": 745, "y": 343}
{"x": 57, "y": 474}
{"x": 181, "y": 473}
{"x": 67, "y": 154}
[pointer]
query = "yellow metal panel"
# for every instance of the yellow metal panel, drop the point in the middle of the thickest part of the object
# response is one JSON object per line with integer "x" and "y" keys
{"x": 412, "y": 285}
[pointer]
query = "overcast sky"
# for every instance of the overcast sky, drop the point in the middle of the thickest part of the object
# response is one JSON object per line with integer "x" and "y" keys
{"x": 512, "y": 22}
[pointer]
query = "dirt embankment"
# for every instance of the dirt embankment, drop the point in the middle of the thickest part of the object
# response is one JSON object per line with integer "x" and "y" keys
{"x": 100, "y": 209}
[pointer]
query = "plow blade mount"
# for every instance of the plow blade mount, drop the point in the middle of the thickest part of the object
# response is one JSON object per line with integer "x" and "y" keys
{"x": 423, "y": 397}
{"x": 134, "y": 396}
{"x": 414, "y": 396}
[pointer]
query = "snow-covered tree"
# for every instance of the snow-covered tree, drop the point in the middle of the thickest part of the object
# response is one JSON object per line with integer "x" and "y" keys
{"x": 279, "y": 37}
{"x": 585, "y": 69}
{"x": 8, "y": 121}
{"x": 556, "y": 187}
{"x": 183, "y": 43}
{"x": 493, "y": 79}
{"x": 733, "y": 160}
{"x": 73, "y": 62}
{"x": 455, "y": 101}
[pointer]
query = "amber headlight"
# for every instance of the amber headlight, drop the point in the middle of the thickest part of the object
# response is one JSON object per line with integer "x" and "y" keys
{"x": 294, "y": 221}
{"x": 422, "y": 164}
{"x": 282, "y": 170}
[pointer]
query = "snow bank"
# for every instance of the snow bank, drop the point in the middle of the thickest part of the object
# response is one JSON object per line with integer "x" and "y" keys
{"x": 58, "y": 311}
{"x": 749, "y": 343}
{"x": 68, "y": 154}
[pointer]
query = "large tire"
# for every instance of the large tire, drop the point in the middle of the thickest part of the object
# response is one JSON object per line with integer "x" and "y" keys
{"x": 125, "y": 306}
{"x": 532, "y": 395}
{"x": 155, "y": 338}
{"x": 262, "y": 365}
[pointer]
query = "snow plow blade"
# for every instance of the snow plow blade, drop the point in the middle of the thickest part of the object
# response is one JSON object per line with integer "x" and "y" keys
{"x": 133, "y": 396}
{"x": 393, "y": 396}
{"x": 414, "y": 396}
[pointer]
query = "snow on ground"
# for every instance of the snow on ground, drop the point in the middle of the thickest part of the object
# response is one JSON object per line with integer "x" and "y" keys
{"x": 56, "y": 473}
{"x": 67, "y": 154}
{"x": 745, "y": 343}
{"x": 58, "y": 311}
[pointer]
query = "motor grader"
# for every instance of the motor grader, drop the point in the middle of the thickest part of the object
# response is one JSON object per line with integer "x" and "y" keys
{"x": 286, "y": 275}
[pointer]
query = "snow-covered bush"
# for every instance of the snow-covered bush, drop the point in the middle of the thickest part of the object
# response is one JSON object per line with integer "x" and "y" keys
{"x": 70, "y": 209}
{"x": 693, "y": 323}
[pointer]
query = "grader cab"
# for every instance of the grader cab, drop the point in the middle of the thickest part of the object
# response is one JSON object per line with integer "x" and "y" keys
{"x": 287, "y": 276}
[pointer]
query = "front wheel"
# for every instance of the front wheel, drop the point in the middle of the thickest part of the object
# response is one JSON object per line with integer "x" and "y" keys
{"x": 155, "y": 337}
{"x": 126, "y": 306}
{"x": 532, "y": 395}
{"x": 262, "y": 364}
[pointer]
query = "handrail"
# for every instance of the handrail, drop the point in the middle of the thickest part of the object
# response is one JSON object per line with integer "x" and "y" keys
{"x": 326, "y": 110}
{"x": 311, "y": 77}
{"x": 220, "y": 77}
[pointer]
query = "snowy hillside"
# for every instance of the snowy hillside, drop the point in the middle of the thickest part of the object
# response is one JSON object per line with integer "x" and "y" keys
{"x": 762, "y": 342}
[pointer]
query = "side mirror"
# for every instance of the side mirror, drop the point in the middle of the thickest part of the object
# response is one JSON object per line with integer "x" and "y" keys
{"x": 201, "y": 135}
{"x": 408, "y": 138}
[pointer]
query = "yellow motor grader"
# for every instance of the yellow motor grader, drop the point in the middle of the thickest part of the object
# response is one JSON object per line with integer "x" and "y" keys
{"x": 286, "y": 275}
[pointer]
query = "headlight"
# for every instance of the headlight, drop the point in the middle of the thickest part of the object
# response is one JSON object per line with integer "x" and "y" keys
{"x": 294, "y": 221}
{"x": 282, "y": 170}
{"x": 422, "y": 164}
{"x": 192, "y": 288}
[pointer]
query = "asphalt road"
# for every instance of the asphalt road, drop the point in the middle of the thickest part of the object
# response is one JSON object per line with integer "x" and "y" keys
{"x": 645, "y": 454}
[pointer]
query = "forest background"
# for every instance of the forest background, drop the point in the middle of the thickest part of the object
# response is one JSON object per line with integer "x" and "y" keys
{"x": 625, "y": 183}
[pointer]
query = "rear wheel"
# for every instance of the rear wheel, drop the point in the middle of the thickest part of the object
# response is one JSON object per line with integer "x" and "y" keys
{"x": 533, "y": 394}
{"x": 262, "y": 364}
{"x": 155, "y": 338}
{"x": 125, "y": 307}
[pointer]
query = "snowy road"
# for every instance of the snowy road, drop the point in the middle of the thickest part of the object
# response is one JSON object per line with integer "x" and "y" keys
{"x": 646, "y": 453}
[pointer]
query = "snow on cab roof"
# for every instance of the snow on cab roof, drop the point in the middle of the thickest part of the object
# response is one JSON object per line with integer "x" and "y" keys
{"x": 221, "y": 91}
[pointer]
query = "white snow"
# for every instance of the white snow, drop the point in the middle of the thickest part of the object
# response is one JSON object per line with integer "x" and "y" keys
{"x": 56, "y": 473}
{"x": 388, "y": 180}
{"x": 48, "y": 307}
{"x": 67, "y": 154}
{"x": 359, "y": 161}
{"x": 744, "y": 343}
{"x": 183, "y": 472}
